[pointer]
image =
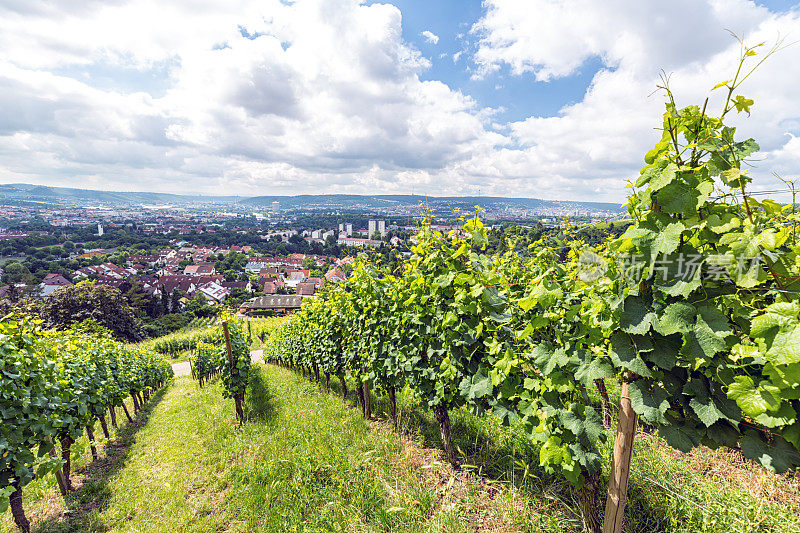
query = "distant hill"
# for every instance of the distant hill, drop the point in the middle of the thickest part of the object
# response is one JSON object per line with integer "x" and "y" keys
{"x": 21, "y": 192}
{"x": 65, "y": 195}
{"x": 389, "y": 200}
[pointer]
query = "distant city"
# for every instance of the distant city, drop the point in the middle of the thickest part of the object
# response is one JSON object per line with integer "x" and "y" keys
{"x": 263, "y": 253}
{"x": 158, "y": 212}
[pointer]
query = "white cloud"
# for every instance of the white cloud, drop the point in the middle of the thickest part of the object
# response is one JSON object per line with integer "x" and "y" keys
{"x": 327, "y": 90}
{"x": 592, "y": 146}
{"x": 326, "y": 96}
{"x": 430, "y": 36}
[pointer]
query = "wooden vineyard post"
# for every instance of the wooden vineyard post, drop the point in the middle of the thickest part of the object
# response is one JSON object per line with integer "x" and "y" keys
{"x": 236, "y": 398}
{"x": 620, "y": 465}
{"x": 62, "y": 482}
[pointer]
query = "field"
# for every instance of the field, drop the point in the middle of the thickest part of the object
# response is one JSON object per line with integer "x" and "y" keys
{"x": 306, "y": 460}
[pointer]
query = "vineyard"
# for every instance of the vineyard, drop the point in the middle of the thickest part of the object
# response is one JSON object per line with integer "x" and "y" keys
{"x": 692, "y": 315}
{"x": 230, "y": 358}
{"x": 55, "y": 386}
{"x": 187, "y": 339}
{"x": 202, "y": 331}
{"x": 684, "y": 331}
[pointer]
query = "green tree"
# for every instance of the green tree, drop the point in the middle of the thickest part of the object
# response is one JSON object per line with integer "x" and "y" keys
{"x": 107, "y": 305}
{"x": 199, "y": 307}
{"x": 16, "y": 272}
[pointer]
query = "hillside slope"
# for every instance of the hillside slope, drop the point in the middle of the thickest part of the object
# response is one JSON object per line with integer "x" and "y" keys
{"x": 306, "y": 460}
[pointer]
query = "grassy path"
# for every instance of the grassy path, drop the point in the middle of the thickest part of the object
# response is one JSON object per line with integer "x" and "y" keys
{"x": 306, "y": 461}
{"x": 184, "y": 368}
{"x": 303, "y": 462}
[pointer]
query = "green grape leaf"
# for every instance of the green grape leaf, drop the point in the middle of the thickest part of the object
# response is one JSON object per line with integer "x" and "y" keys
{"x": 678, "y": 198}
{"x": 649, "y": 400}
{"x": 595, "y": 368}
{"x": 623, "y": 354}
{"x": 680, "y": 437}
{"x": 678, "y": 317}
{"x": 722, "y": 223}
{"x": 665, "y": 351}
{"x": 668, "y": 239}
{"x": 753, "y": 400}
{"x": 783, "y": 416}
{"x": 778, "y": 455}
{"x": 637, "y": 316}
{"x": 785, "y": 347}
{"x": 743, "y": 104}
{"x": 705, "y": 410}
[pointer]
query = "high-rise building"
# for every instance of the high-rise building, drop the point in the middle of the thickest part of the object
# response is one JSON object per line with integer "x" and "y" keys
{"x": 276, "y": 207}
{"x": 100, "y": 230}
{"x": 349, "y": 230}
{"x": 373, "y": 227}
{"x": 382, "y": 227}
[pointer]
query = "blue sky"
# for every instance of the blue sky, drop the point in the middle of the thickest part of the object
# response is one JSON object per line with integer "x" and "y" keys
{"x": 519, "y": 95}
{"x": 535, "y": 98}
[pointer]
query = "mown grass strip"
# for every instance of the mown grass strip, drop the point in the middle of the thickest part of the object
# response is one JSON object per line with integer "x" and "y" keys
{"x": 305, "y": 460}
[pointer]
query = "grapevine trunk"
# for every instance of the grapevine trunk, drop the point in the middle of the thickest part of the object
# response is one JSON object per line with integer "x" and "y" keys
{"x": 589, "y": 502}
{"x": 127, "y": 414}
{"x": 104, "y": 426}
{"x": 393, "y": 405}
{"x": 90, "y": 434}
{"x": 66, "y": 447}
{"x": 360, "y": 392}
{"x": 16, "y": 509}
{"x": 367, "y": 402}
{"x": 443, "y": 418}
{"x": 606, "y": 403}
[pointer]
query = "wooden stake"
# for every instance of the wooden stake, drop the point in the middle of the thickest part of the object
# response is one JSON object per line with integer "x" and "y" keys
{"x": 62, "y": 482}
{"x": 620, "y": 465}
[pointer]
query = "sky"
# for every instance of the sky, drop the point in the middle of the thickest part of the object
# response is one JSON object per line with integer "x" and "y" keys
{"x": 552, "y": 99}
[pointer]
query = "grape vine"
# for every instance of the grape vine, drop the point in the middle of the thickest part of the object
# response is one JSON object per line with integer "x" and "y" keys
{"x": 693, "y": 311}
{"x": 55, "y": 385}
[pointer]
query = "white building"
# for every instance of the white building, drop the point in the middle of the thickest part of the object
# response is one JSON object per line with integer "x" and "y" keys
{"x": 378, "y": 226}
{"x": 359, "y": 243}
{"x": 276, "y": 207}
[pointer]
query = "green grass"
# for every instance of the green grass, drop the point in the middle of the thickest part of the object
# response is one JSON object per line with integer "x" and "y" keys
{"x": 181, "y": 357}
{"x": 305, "y": 460}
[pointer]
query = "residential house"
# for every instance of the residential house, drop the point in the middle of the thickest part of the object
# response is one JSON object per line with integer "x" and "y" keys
{"x": 318, "y": 282}
{"x": 306, "y": 289}
{"x": 335, "y": 275}
{"x": 246, "y": 285}
{"x": 214, "y": 292}
{"x": 359, "y": 243}
{"x": 53, "y": 282}
{"x": 200, "y": 269}
{"x": 277, "y": 304}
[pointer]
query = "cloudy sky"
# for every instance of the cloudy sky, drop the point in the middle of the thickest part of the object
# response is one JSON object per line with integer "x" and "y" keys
{"x": 538, "y": 98}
